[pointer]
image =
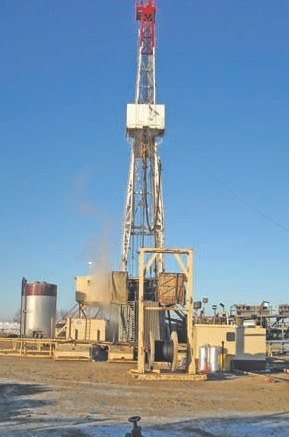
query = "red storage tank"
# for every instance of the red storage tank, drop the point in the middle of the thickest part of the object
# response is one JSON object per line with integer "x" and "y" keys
{"x": 38, "y": 310}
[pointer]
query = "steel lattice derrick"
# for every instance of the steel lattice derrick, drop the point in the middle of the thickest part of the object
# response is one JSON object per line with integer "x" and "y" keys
{"x": 143, "y": 224}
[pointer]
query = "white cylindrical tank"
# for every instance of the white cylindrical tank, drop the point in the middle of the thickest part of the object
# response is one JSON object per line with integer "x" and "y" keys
{"x": 39, "y": 309}
{"x": 214, "y": 354}
{"x": 203, "y": 365}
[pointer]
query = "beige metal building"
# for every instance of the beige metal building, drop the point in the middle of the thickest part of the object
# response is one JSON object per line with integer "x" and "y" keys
{"x": 240, "y": 347}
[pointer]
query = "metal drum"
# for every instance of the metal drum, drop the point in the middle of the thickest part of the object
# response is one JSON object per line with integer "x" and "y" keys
{"x": 39, "y": 310}
{"x": 203, "y": 359}
{"x": 214, "y": 355}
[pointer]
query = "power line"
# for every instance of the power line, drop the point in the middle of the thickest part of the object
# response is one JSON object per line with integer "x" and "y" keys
{"x": 242, "y": 199}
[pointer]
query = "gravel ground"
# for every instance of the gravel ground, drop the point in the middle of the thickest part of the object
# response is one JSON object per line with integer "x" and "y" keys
{"x": 41, "y": 397}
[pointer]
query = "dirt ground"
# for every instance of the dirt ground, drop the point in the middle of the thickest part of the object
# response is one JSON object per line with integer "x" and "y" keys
{"x": 45, "y": 397}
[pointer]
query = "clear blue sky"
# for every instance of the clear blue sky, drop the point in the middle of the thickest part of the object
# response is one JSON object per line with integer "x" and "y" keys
{"x": 67, "y": 73}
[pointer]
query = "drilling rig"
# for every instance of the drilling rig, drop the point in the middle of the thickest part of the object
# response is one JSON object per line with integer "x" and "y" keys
{"x": 142, "y": 294}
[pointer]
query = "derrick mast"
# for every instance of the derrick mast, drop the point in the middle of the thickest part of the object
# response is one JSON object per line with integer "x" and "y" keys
{"x": 143, "y": 224}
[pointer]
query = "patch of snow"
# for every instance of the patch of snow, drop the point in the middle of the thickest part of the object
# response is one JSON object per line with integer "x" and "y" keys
{"x": 263, "y": 426}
